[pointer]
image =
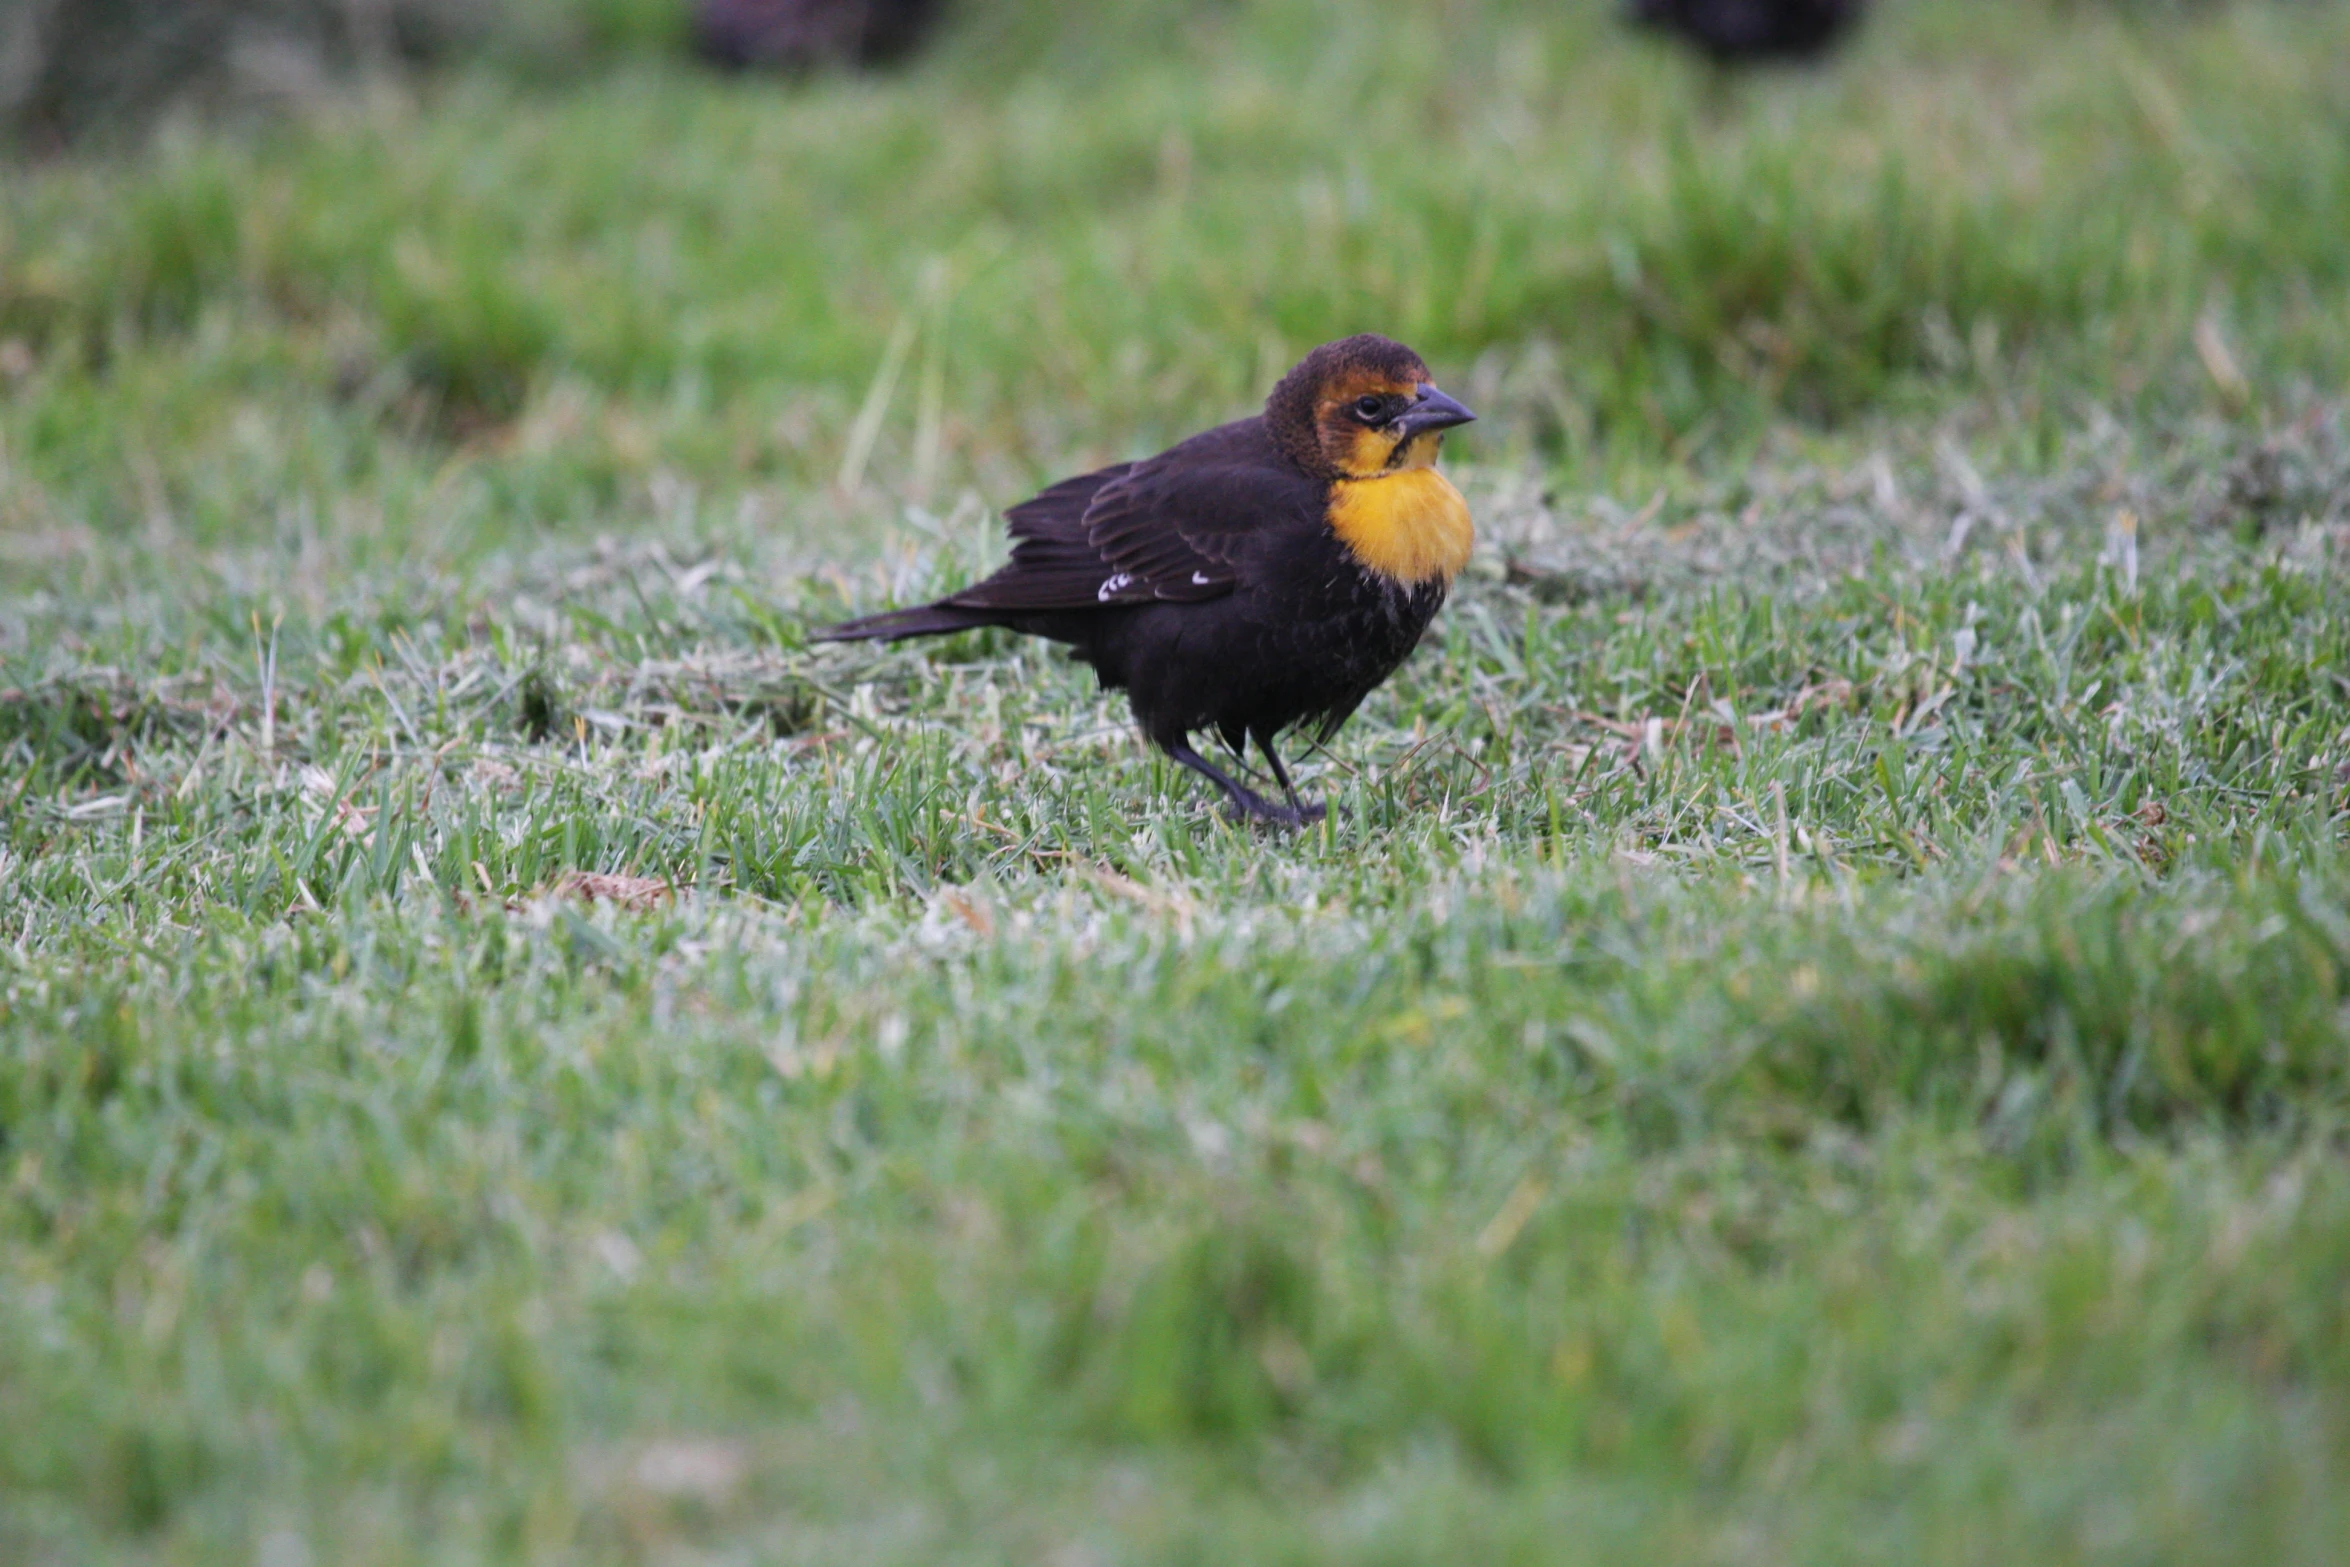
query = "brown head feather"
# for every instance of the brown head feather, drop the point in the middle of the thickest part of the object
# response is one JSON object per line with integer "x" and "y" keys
{"x": 1305, "y": 413}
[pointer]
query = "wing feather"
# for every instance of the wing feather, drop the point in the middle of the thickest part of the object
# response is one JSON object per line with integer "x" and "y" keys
{"x": 1174, "y": 528}
{"x": 1053, "y": 566}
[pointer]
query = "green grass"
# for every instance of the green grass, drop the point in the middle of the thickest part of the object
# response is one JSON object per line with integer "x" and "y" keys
{"x": 1819, "y": 1029}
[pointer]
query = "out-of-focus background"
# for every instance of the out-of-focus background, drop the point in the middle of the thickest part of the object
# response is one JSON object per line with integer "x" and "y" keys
{"x": 1817, "y": 1031}
{"x": 536, "y": 242}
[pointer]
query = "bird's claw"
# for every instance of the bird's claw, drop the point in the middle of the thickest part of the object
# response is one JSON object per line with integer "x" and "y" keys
{"x": 1294, "y": 817}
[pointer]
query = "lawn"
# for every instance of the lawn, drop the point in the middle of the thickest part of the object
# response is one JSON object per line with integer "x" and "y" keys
{"x": 1818, "y": 1030}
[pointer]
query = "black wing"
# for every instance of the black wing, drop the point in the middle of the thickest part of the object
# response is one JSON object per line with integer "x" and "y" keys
{"x": 1172, "y": 528}
{"x": 1053, "y": 565}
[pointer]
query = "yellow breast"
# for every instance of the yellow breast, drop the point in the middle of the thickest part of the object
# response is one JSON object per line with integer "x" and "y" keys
{"x": 1411, "y": 525}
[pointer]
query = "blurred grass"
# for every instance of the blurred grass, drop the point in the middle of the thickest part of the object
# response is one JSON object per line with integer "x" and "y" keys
{"x": 648, "y": 273}
{"x": 1820, "y": 1030}
{"x": 101, "y": 74}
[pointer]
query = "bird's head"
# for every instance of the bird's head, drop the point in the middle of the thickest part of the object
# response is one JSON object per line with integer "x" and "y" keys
{"x": 1360, "y": 408}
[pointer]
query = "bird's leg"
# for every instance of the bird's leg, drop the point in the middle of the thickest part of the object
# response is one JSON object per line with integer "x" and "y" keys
{"x": 1245, "y": 802}
{"x": 1305, "y": 811}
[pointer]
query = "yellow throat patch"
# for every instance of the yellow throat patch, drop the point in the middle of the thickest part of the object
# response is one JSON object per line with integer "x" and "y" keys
{"x": 1410, "y": 525}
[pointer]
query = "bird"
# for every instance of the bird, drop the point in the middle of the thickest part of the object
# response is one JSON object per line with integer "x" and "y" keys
{"x": 1731, "y": 32}
{"x": 800, "y": 34}
{"x": 1261, "y": 576}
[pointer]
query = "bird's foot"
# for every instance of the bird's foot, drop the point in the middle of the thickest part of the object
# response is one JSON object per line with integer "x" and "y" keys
{"x": 1246, "y": 804}
{"x": 1256, "y": 808}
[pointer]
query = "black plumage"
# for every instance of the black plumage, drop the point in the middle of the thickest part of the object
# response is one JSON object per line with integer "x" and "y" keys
{"x": 800, "y": 34}
{"x": 1213, "y": 582}
{"x": 1733, "y": 31}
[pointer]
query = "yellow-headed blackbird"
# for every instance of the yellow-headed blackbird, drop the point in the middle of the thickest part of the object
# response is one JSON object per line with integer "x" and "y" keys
{"x": 1269, "y": 572}
{"x": 1731, "y": 31}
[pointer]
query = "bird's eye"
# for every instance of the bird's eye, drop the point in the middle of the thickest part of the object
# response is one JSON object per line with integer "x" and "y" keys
{"x": 1368, "y": 408}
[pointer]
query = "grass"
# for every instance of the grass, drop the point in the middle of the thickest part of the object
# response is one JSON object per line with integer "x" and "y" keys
{"x": 1817, "y": 1031}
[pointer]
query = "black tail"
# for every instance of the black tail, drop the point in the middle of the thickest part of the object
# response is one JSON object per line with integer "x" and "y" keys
{"x": 928, "y": 621}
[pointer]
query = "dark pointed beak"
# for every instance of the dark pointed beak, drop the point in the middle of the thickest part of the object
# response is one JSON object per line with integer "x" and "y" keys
{"x": 1431, "y": 411}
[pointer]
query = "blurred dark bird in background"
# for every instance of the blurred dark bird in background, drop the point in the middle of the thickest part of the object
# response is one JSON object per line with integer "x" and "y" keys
{"x": 1732, "y": 32}
{"x": 1268, "y": 573}
{"x": 803, "y": 34}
